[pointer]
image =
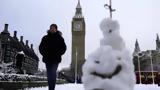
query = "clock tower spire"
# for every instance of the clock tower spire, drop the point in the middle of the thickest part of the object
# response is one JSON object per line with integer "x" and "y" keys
{"x": 78, "y": 13}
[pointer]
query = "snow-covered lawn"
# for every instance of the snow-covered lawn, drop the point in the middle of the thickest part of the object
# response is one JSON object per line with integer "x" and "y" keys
{"x": 80, "y": 87}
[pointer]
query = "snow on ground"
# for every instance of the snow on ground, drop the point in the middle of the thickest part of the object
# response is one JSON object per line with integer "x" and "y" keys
{"x": 80, "y": 87}
{"x": 147, "y": 87}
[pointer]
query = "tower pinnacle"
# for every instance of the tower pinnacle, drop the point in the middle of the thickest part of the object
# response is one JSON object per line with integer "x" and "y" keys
{"x": 5, "y": 31}
{"x": 157, "y": 43}
{"x": 157, "y": 37}
{"x": 136, "y": 49}
{"x": 78, "y": 5}
{"x": 78, "y": 13}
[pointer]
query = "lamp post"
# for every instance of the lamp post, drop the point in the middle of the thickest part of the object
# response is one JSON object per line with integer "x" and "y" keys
{"x": 76, "y": 67}
{"x": 139, "y": 69}
{"x": 150, "y": 53}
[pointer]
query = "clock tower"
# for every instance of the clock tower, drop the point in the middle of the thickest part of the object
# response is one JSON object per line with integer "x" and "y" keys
{"x": 78, "y": 42}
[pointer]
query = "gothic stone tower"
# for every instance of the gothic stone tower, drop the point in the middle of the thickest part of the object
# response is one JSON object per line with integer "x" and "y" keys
{"x": 136, "y": 49}
{"x": 78, "y": 41}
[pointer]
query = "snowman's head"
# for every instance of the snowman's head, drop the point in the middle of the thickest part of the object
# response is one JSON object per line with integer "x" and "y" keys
{"x": 109, "y": 26}
{"x": 106, "y": 61}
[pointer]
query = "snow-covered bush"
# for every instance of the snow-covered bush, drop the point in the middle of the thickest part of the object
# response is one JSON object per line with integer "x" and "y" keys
{"x": 21, "y": 77}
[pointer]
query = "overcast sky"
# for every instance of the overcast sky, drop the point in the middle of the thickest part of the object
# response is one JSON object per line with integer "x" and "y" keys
{"x": 139, "y": 19}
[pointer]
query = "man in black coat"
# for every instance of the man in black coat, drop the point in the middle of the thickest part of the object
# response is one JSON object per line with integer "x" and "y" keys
{"x": 52, "y": 47}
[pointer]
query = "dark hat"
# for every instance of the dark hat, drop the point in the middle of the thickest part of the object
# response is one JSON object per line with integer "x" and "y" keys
{"x": 54, "y": 25}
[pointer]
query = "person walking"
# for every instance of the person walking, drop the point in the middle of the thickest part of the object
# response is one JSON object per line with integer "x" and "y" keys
{"x": 52, "y": 47}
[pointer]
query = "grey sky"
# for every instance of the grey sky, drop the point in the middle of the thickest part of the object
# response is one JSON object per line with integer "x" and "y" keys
{"x": 31, "y": 18}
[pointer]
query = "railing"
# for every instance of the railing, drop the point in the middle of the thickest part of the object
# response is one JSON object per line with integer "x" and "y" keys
{"x": 146, "y": 77}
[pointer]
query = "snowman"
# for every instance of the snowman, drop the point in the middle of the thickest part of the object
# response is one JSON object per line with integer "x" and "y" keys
{"x": 110, "y": 67}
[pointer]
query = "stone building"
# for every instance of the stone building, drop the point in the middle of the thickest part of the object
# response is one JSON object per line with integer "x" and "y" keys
{"x": 11, "y": 46}
{"x": 147, "y": 59}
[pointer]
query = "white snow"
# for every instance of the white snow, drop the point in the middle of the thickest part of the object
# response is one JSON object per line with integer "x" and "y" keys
{"x": 110, "y": 67}
{"x": 7, "y": 68}
{"x": 80, "y": 87}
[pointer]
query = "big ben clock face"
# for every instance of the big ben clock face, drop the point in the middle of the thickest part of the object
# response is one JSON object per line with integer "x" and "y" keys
{"x": 77, "y": 26}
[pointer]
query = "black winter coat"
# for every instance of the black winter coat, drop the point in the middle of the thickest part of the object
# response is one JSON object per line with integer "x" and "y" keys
{"x": 52, "y": 47}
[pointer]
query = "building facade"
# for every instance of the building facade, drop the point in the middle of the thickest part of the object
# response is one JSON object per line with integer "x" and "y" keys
{"x": 147, "y": 60}
{"x": 11, "y": 46}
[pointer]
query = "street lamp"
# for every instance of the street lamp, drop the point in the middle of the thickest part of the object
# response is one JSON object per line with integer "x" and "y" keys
{"x": 76, "y": 67}
{"x": 150, "y": 55}
{"x": 110, "y": 8}
{"x": 139, "y": 68}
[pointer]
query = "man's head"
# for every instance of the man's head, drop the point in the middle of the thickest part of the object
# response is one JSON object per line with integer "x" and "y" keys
{"x": 53, "y": 28}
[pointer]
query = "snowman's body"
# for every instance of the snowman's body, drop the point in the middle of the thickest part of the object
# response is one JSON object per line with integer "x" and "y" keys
{"x": 110, "y": 67}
